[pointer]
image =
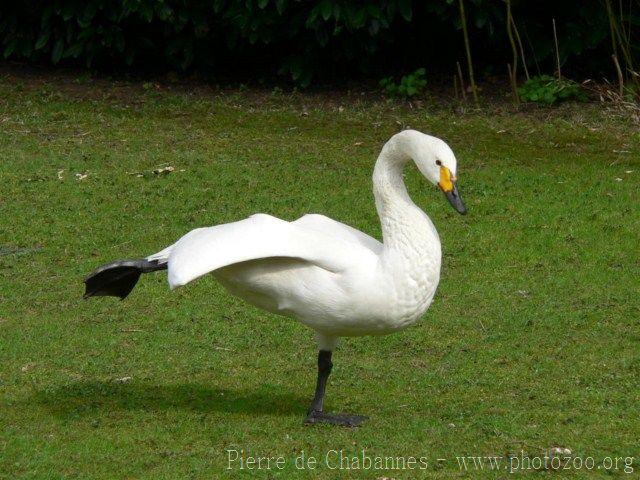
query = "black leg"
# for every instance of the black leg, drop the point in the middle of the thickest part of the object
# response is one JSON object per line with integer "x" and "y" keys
{"x": 316, "y": 413}
{"x": 324, "y": 370}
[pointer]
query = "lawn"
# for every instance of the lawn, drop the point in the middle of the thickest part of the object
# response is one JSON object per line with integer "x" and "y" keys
{"x": 532, "y": 341}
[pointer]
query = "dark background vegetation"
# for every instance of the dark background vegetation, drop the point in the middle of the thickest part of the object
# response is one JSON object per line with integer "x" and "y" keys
{"x": 327, "y": 41}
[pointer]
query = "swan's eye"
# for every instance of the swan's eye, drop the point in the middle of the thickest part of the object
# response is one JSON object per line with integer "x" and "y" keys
{"x": 438, "y": 162}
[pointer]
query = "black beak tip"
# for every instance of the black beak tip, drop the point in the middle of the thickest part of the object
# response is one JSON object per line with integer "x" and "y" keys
{"x": 456, "y": 202}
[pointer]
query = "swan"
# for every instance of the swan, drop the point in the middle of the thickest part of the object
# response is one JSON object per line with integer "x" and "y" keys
{"x": 331, "y": 277}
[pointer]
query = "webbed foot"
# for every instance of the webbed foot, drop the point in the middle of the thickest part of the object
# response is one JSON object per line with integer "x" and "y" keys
{"x": 344, "y": 420}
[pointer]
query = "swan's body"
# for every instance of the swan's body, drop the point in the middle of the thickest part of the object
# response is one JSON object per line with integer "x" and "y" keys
{"x": 329, "y": 276}
{"x": 358, "y": 289}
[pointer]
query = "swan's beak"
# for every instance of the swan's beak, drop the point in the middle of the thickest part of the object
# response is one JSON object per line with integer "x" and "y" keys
{"x": 456, "y": 200}
{"x": 449, "y": 187}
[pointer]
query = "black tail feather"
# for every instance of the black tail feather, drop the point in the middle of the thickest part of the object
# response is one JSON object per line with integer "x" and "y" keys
{"x": 117, "y": 279}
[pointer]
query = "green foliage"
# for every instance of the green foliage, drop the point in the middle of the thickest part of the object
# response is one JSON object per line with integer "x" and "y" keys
{"x": 198, "y": 33}
{"x": 410, "y": 85}
{"x": 303, "y": 41}
{"x": 549, "y": 90}
{"x": 632, "y": 91}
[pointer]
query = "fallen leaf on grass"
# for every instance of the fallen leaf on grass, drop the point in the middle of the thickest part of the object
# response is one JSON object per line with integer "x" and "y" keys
{"x": 553, "y": 451}
{"x": 164, "y": 170}
{"x": 27, "y": 367}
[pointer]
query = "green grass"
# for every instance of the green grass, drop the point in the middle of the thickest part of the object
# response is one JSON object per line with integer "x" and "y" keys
{"x": 532, "y": 340}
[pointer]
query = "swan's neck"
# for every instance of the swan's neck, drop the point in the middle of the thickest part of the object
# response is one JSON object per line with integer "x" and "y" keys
{"x": 406, "y": 229}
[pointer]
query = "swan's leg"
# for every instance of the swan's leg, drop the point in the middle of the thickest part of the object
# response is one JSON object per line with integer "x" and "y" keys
{"x": 324, "y": 370}
{"x": 316, "y": 413}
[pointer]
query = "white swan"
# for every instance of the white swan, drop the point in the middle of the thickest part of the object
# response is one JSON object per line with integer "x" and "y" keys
{"x": 329, "y": 276}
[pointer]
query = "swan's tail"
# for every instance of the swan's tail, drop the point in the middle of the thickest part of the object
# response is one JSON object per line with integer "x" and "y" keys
{"x": 117, "y": 279}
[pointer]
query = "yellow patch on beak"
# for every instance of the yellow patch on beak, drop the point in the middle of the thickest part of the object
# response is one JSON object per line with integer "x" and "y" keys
{"x": 446, "y": 179}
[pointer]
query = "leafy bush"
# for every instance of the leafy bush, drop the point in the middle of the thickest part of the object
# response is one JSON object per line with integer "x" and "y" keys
{"x": 550, "y": 90}
{"x": 304, "y": 41}
{"x": 294, "y": 38}
{"x": 409, "y": 86}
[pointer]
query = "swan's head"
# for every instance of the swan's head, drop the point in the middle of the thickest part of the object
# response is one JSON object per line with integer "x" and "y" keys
{"x": 437, "y": 163}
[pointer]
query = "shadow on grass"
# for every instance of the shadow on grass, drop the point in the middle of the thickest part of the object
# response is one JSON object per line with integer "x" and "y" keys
{"x": 86, "y": 397}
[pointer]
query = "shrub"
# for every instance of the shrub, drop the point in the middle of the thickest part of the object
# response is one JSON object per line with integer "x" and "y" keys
{"x": 550, "y": 90}
{"x": 304, "y": 41}
{"x": 409, "y": 86}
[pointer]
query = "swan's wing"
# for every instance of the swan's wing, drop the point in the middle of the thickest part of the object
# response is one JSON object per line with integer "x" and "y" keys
{"x": 336, "y": 229}
{"x": 260, "y": 236}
